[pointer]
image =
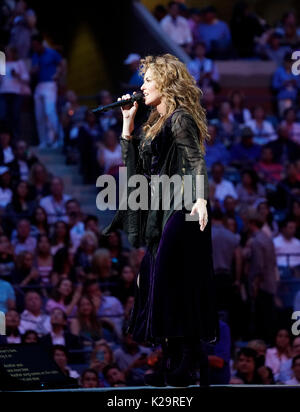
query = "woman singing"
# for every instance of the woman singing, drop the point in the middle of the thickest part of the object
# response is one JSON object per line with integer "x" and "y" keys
{"x": 175, "y": 301}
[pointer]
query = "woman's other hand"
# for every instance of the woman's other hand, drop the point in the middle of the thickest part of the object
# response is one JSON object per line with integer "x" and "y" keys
{"x": 200, "y": 208}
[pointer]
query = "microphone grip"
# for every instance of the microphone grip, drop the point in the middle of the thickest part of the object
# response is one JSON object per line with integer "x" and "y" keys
{"x": 119, "y": 103}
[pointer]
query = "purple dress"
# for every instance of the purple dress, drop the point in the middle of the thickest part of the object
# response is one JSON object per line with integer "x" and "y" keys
{"x": 175, "y": 296}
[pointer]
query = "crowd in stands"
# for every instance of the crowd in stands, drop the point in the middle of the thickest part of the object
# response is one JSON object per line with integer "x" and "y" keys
{"x": 70, "y": 289}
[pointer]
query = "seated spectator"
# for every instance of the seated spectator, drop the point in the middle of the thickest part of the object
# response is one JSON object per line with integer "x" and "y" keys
{"x": 5, "y": 187}
{"x": 115, "y": 377}
{"x": 76, "y": 225}
{"x": 13, "y": 334}
{"x": 6, "y": 150}
{"x": 220, "y": 187}
{"x": 270, "y": 227}
{"x": 39, "y": 180}
{"x": 60, "y": 237}
{"x": 89, "y": 379}
{"x": 125, "y": 285}
{"x": 229, "y": 207}
{"x": 12, "y": 87}
{"x": 215, "y": 149}
{"x": 246, "y": 367}
{"x": 209, "y": 104}
{"x": 101, "y": 357}
{"x": 7, "y": 296}
{"x": 135, "y": 78}
{"x": 246, "y": 152}
{"x": 266, "y": 375}
{"x": 72, "y": 117}
{"x": 102, "y": 265}
{"x": 109, "y": 308}
{"x": 176, "y": 26}
{"x": 20, "y": 166}
{"x": 55, "y": 204}
{"x": 85, "y": 252}
{"x": 39, "y": 222}
{"x": 263, "y": 130}
{"x": 43, "y": 259}
{"x": 287, "y": 247}
{"x": 7, "y": 264}
{"x": 286, "y": 85}
{"x": 25, "y": 273}
{"x": 260, "y": 348}
{"x": 227, "y": 127}
{"x": 59, "y": 335}
{"x": 109, "y": 154}
{"x": 288, "y": 186}
{"x": 289, "y": 30}
{"x": 269, "y": 47}
{"x": 296, "y": 372}
{"x": 21, "y": 207}
{"x": 63, "y": 266}
{"x": 60, "y": 356}
{"x": 279, "y": 353}
{"x": 266, "y": 168}
{"x": 215, "y": 34}
{"x": 23, "y": 241}
{"x": 131, "y": 359}
{"x": 249, "y": 190}
{"x": 286, "y": 372}
{"x": 30, "y": 336}
{"x": 92, "y": 225}
{"x": 118, "y": 253}
{"x": 195, "y": 17}
{"x": 64, "y": 297}
{"x": 284, "y": 149}
{"x": 204, "y": 71}
{"x": 110, "y": 119}
{"x": 240, "y": 113}
{"x": 88, "y": 138}
{"x": 86, "y": 324}
{"x": 32, "y": 317}
{"x": 291, "y": 125}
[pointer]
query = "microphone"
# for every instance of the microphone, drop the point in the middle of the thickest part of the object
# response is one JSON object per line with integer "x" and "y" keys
{"x": 134, "y": 98}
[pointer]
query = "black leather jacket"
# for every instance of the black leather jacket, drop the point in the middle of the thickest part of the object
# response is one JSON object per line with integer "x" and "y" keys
{"x": 183, "y": 157}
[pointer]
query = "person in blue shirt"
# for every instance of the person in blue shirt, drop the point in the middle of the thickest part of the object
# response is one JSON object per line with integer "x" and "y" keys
{"x": 246, "y": 152}
{"x": 136, "y": 79}
{"x": 47, "y": 65}
{"x": 7, "y": 296}
{"x": 215, "y": 34}
{"x": 215, "y": 149}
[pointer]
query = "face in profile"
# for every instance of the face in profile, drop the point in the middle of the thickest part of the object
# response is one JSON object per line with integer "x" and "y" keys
{"x": 150, "y": 89}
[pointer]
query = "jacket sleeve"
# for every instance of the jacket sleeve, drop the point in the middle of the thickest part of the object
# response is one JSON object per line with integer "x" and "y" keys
{"x": 191, "y": 159}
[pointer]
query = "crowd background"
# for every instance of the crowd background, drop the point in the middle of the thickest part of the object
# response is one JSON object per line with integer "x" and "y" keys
{"x": 65, "y": 286}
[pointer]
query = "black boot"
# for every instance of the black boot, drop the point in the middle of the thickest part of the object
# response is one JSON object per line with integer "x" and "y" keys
{"x": 158, "y": 377}
{"x": 184, "y": 373}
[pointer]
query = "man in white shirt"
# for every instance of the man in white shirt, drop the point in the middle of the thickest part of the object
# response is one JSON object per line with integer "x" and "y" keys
{"x": 220, "y": 188}
{"x": 54, "y": 204}
{"x": 176, "y": 26}
{"x": 286, "y": 244}
{"x": 32, "y": 317}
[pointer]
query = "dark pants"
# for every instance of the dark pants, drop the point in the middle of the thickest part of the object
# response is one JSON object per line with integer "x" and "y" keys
{"x": 10, "y": 111}
{"x": 264, "y": 315}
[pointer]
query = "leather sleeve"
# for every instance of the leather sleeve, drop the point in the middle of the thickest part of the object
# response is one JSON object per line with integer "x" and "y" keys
{"x": 191, "y": 158}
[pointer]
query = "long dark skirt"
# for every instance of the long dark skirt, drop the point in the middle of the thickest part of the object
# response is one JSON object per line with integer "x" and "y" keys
{"x": 175, "y": 295}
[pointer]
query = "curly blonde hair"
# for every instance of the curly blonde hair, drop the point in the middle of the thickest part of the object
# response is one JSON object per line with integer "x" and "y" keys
{"x": 178, "y": 88}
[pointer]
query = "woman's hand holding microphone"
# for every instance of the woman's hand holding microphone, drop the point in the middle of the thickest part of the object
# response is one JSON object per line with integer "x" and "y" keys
{"x": 128, "y": 113}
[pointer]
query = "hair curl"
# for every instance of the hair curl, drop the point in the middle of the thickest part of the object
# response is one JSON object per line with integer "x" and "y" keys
{"x": 178, "y": 88}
